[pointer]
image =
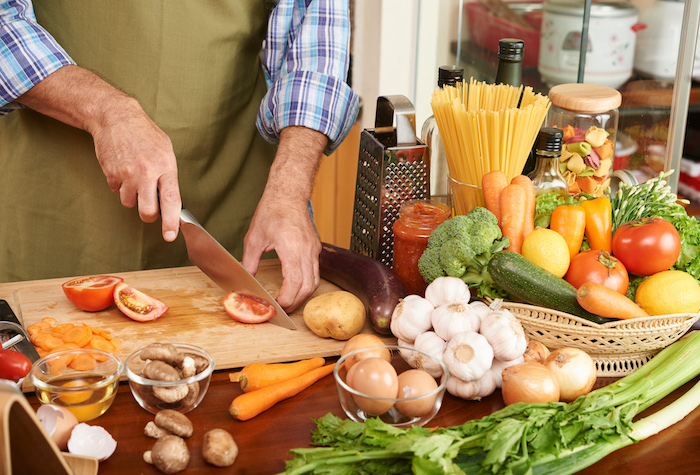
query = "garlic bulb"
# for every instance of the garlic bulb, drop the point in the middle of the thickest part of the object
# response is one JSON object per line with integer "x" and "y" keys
{"x": 411, "y": 317}
{"x": 475, "y": 389}
{"x": 430, "y": 343}
{"x": 498, "y": 366}
{"x": 468, "y": 356}
{"x": 453, "y": 318}
{"x": 445, "y": 290}
{"x": 505, "y": 334}
{"x": 480, "y": 308}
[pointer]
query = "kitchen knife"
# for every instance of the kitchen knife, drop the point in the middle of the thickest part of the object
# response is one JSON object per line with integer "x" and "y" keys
{"x": 220, "y": 266}
{"x": 24, "y": 346}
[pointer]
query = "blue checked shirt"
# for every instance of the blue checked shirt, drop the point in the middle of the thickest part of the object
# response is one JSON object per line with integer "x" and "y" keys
{"x": 306, "y": 62}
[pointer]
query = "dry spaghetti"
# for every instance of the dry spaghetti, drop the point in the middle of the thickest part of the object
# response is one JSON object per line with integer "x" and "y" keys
{"x": 483, "y": 128}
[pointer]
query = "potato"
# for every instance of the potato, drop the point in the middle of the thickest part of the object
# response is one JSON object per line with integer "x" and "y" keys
{"x": 339, "y": 315}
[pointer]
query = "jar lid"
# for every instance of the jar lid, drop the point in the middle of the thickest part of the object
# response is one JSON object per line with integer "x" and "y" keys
{"x": 511, "y": 49}
{"x": 449, "y": 75}
{"x": 588, "y": 98}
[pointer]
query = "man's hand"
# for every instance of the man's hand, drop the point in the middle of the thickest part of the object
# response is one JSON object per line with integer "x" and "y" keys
{"x": 136, "y": 156}
{"x": 282, "y": 221}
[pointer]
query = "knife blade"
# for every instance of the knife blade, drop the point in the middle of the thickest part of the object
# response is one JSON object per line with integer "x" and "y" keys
{"x": 24, "y": 346}
{"x": 220, "y": 266}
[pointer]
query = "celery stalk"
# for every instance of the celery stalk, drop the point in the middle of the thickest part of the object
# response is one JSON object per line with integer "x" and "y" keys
{"x": 553, "y": 438}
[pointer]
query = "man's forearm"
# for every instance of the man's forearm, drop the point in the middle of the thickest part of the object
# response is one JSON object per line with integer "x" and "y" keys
{"x": 76, "y": 97}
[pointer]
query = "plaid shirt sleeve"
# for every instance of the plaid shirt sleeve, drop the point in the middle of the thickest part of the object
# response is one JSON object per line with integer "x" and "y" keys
{"x": 28, "y": 53}
{"x": 307, "y": 52}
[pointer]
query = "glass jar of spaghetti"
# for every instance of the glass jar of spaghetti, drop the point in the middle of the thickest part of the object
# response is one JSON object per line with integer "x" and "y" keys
{"x": 417, "y": 219}
{"x": 588, "y": 115}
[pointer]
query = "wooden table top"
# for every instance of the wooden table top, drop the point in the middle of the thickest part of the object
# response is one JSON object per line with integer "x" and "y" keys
{"x": 264, "y": 441}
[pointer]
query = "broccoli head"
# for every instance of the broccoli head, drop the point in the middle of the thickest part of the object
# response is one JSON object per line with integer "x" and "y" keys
{"x": 462, "y": 244}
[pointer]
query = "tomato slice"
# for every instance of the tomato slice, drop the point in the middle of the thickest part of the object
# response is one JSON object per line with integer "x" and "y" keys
{"x": 248, "y": 308}
{"x": 92, "y": 294}
{"x": 13, "y": 365}
{"x": 137, "y": 305}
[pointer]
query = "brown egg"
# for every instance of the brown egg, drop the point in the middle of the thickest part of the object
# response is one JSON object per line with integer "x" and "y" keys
{"x": 374, "y": 377}
{"x": 58, "y": 422}
{"x": 365, "y": 340}
{"x": 416, "y": 383}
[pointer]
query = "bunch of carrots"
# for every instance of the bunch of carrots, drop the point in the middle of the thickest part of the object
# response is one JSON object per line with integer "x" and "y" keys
{"x": 512, "y": 203}
{"x": 266, "y": 384}
{"x": 48, "y": 336}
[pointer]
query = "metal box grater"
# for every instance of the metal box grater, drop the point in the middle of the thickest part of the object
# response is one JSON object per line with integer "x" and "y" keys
{"x": 391, "y": 169}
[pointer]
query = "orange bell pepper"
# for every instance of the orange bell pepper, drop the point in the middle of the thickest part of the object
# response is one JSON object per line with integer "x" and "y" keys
{"x": 570, "y": 222}
{"x": 598, "y": 223}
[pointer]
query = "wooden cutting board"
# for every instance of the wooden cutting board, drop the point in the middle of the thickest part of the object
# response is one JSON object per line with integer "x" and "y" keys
{"x": 195, "y": 316}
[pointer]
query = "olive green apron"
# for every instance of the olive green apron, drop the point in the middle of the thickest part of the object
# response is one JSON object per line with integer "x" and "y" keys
{"x": 195, "y": 68}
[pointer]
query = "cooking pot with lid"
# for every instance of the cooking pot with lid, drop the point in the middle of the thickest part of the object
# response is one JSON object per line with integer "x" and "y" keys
{"x": 611, "y": 42}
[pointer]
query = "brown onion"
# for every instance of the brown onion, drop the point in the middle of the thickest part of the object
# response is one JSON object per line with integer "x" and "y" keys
{"x": 536, "y": 352}
{"x": 575, "y": 371}
{"x": 529, "y": 382}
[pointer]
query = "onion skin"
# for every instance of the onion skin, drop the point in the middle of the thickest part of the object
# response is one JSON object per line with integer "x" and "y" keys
{"x": 575, "y": 371}
{"x": 529, "y": 382}
{"x": 536, "y": 352}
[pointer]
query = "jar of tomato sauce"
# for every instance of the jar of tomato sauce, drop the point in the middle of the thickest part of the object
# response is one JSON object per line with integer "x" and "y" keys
{"x": 417, "y": 219}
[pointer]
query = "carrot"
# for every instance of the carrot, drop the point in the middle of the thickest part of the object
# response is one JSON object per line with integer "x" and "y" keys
{"x": 62, "y": 328}
{"x": 260, "y": 375}
{"x": 248, "y": 405}
{"x": 492, "y": 183}
{"x": 83, "y": 363}
{"x": 37, "y": 327}
{"x": 526, "y": 183}
{"x": 79, "y": 335}
{"x": 513, "y": 212}
{"x": 606, "y": 302}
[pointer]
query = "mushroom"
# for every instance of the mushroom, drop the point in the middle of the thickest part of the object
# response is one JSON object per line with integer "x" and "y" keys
{"x": 160, "y": 371}
{"x": 201, "y": 363}
{"x": 219, "y": 448}
{"x": 152, "y": 430}
{"x": 174, "y": 422}
{"x": 171, "y": 394}
{"x": 165, "y": 352}
{"x": 188, "y": 368}
{"x": 192, "y": 394}
{"x": 169, "y": 454}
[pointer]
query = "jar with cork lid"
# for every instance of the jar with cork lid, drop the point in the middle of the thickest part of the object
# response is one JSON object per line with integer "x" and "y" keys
{"x": 588, "y": 116}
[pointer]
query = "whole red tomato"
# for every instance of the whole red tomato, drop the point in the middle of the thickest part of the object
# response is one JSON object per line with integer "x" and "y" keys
{"x": 13, "y": 365}
{"x": 92, "y": 293}
{"x": 647, "y": 246}
{"x": 599, "y": 267}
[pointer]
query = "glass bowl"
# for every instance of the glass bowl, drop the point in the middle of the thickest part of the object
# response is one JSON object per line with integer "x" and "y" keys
{"x": 82, "y": 380}
{"x": 408, "y": 411}
{"x": 154, "y": 395}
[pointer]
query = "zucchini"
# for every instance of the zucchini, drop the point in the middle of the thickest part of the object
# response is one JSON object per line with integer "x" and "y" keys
{"x": 529, "y": 283}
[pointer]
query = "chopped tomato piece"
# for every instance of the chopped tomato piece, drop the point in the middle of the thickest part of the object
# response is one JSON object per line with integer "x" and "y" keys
{"x": 93, "y": 293}
{"x": 248, "y": 308}
{"x": 137, "y": 305}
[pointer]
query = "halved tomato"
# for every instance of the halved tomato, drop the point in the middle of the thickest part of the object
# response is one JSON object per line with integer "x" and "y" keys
{"x": 137, "y": 305}
{"x": 248, "y": 308}
{"x": 92, "y": 293}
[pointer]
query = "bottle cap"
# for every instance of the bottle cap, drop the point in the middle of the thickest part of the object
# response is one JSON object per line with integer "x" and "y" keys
{"x": 549, "y": 139}
{"x": 449, "y": 75}
{"x": 511, "y": 49}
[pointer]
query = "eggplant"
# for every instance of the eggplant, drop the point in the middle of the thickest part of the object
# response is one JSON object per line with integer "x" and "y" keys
{"x": 375, "y": 284}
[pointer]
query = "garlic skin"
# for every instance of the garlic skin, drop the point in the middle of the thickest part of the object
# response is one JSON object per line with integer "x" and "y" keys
{"x": 498, "y": 366}
{"x": 468, "y": 356}
{"x": 444, "y": 290}
{"x": 473, "y": 390}
{"x": 411, "y": 317}
{"x": 505, "y": 335}
{"x": 430, "y": 343}
{"x": 452, "y": 318}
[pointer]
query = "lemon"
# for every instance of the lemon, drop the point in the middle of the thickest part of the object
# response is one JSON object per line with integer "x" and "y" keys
{"x": 670, "y": 291}
{"x": 547, "y": 249}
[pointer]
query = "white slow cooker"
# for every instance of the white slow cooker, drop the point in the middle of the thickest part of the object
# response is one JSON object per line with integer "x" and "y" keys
{"x": 611, "y": 42}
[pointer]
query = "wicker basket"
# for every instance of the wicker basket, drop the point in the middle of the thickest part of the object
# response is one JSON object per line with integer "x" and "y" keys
{"x": 618, "y": 348}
